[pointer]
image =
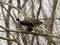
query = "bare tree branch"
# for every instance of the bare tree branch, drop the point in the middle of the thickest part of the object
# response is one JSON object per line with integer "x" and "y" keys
{"x": 26, "y": 32}
{"x": 7, "y": 39}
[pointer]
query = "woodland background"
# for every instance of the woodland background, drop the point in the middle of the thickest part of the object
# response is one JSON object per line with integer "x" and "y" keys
{"x": 47, "y": 11}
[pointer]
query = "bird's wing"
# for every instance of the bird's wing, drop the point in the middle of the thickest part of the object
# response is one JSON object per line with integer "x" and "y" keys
{"x": 41, "y": 28}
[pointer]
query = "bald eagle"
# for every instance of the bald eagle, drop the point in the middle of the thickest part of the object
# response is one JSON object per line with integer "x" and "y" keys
{"x": 29, "y": 22}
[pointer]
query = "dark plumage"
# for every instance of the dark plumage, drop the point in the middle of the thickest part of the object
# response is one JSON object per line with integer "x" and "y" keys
{"x": 30, "y": 23}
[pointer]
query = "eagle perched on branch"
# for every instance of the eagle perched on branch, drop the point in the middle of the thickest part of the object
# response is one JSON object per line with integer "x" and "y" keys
{"x": 29, "y": 22}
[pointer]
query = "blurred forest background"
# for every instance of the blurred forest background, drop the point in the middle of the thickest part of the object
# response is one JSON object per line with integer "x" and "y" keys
{"x": 48, "y": 11}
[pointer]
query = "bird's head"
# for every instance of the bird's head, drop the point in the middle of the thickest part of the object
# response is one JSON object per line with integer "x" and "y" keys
{"x": 21, "y": 16}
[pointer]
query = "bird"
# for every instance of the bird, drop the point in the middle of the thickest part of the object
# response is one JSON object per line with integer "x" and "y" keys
{"x": 29, "y": 22}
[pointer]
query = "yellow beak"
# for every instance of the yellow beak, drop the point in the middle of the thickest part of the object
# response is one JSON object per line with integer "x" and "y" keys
{"x": 20, "y": 14}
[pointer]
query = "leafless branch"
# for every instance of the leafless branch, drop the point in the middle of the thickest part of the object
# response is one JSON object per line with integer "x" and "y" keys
{"x": 25, "y": 32}
{"x": 7, "y": 39}
{"x": 11, "y": 6}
